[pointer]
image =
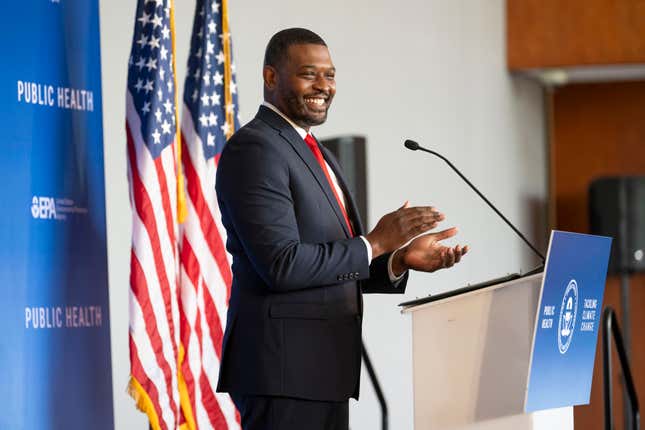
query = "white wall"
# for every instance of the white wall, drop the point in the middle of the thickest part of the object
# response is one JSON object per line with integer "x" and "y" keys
{"x": 430, "y": 70}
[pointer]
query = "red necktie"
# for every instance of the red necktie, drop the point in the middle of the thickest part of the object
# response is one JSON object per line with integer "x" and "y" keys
{"x": 313, "y": 145}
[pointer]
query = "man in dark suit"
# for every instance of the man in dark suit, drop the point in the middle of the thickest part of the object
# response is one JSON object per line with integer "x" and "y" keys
{"x": 291, "y": 352}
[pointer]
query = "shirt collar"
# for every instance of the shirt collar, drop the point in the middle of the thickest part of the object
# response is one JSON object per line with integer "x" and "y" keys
{"x": 301, "y": 131}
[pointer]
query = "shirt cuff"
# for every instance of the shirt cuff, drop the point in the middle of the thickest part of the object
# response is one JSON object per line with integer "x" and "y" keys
{"x": 393, "y": 278}
{"x": 369, "y": 249}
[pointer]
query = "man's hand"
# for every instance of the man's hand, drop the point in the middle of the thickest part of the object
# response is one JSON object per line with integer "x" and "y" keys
{"x": 427, "y": 254}
{"x": 398, "y": 227}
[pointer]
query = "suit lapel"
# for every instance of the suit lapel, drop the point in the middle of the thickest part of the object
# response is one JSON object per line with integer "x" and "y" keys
{"x": 288, "y": 133}
{"x": 350, "y": 204}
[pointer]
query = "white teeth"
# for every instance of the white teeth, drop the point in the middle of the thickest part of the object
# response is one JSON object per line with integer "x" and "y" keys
{"x": 317, "y": 101}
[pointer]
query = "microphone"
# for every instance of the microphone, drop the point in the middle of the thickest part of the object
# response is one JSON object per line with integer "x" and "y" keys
{"x": 414, "y": 146}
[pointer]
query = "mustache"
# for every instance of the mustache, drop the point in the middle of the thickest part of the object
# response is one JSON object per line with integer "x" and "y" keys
{"x": 321, "y": 94}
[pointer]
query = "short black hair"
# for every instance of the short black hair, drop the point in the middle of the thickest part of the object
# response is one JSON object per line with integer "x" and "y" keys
{"x": 277, "y": 47}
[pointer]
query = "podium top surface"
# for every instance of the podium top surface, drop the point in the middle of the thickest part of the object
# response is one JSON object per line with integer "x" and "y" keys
{"x": 490, "y": 284}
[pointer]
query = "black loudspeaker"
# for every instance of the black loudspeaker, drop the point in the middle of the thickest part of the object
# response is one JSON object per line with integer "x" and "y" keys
{"x": 350, "y": 152}
{"x": 617, "y": 209}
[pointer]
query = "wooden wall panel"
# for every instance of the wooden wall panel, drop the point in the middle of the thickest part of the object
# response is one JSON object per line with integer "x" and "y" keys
{"x": 599, "y": 129}
{"x": 553, "y": 33}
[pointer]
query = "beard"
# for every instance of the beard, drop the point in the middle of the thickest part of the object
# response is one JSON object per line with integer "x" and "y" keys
{"x": 301, "y": 114}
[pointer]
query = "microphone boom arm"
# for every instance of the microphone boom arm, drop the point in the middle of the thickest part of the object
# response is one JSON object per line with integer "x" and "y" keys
{"x": 410, "y": 144}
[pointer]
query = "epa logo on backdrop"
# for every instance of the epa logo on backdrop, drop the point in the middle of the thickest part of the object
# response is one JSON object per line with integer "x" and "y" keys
{"x": 43, "y": 207}
{"x": 50, "y": 208}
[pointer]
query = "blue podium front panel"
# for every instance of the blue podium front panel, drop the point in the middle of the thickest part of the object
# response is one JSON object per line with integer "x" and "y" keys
{"x": 54, "y": 316}
{"x": 567, "y": 321}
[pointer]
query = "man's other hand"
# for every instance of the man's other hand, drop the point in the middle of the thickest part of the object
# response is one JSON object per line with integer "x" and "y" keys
{"x": 398, "y": 227}
{"x": 427, "y": 254}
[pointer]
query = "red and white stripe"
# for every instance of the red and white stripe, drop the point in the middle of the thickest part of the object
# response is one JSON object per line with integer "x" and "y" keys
{"x": 205, "y": 286}
{"x": 154, "y": 302}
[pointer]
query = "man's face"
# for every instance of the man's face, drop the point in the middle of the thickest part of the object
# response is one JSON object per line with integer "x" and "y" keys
{"x": 303, "y": 85}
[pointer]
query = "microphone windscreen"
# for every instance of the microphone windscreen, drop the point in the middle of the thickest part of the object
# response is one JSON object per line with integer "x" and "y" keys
{"x": 411, "y": 144}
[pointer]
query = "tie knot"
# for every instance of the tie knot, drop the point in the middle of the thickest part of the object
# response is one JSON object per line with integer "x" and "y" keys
{"x": 310, "y": 141}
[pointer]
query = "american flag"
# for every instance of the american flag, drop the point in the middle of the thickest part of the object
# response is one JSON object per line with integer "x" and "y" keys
{"x": 152, "y": 172}
{"x": 209, "y": 118}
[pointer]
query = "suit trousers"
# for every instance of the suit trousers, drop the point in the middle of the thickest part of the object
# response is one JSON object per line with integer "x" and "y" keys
{"x": 286, "y": 413}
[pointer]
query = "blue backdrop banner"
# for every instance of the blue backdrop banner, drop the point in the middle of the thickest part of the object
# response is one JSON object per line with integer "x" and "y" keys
{"x": 566, "y": 330}
{"x": 55, "y": 347}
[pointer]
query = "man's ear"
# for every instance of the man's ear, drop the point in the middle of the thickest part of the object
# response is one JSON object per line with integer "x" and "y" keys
{"x": 270, "y": 77}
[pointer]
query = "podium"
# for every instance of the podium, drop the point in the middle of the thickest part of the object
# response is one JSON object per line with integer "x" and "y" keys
{"x": 512, "y": 354}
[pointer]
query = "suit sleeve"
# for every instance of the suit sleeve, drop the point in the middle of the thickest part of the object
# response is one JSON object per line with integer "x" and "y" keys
{"x": 379, "y": 280}
{"x": 255, "y": 200}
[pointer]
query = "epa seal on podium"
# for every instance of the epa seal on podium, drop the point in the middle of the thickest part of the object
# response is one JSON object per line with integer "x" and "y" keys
{"x": 568, "y": 312}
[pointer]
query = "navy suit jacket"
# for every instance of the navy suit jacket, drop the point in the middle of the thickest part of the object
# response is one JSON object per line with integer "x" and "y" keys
{"x": 295, "y": 312}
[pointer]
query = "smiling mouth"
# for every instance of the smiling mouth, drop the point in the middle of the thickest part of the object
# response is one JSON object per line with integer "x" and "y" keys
{"x": 316, "y": 102}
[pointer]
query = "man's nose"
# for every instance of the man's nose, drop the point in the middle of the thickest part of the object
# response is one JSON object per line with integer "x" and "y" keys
{"x": 321, "y": 83}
